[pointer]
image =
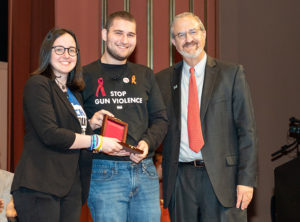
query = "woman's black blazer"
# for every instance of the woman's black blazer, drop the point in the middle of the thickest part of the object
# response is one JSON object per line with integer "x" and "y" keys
{"x": 47, "y": 164}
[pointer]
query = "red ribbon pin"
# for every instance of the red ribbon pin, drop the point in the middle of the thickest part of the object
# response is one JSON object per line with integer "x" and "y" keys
{"x": 100, "y": 87}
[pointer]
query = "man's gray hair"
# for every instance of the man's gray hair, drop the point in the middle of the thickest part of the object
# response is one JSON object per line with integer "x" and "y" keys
{"x": 186, "y": 14}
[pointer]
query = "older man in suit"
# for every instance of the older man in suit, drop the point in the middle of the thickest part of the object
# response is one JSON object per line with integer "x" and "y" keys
{"x": 209, "y": 153}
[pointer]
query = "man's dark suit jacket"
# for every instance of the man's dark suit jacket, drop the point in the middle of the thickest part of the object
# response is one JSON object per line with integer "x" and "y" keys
{"x": 228, "y": 127}
{"x": 47, "y": 164}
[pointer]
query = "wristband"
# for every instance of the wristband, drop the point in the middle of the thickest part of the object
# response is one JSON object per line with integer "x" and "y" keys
{"x": 99, "y": 148}
{"x": 94, "y": 142}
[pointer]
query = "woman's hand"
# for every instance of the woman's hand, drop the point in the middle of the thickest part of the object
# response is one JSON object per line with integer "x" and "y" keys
{"x": 111, "y": 146}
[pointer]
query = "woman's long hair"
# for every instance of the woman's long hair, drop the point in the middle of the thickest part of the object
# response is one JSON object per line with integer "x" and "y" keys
{"x": 75, "y": 81}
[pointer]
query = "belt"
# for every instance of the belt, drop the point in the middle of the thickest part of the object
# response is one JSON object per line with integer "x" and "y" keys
{"x": 195, "y": 163}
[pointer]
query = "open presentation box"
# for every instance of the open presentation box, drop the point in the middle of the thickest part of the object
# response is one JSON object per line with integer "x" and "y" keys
{"x": 113, "y": 127}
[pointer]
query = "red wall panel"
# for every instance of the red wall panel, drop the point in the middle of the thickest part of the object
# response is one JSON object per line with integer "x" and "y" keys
{"x": 138, "y": 8}
{"x": 199, "y": 9}
{"x": 211, "y": 28}
{"x": 161, "y": 35}
{"x": 83, "y": 18}
{"x": 29, "y": 22}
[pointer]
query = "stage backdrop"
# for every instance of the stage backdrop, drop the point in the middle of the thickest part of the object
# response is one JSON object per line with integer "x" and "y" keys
{"x": 30, "y": 20}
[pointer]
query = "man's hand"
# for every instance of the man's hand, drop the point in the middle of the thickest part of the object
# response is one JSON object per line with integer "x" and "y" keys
{"x": 142, "y": 145}
{"x": 97, "y": 119}
{"x": 244, "y": 196}
{"x": 10, "y": 209}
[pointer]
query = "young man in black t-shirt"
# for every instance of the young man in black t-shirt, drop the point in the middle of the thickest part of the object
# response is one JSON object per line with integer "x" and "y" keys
{"x": 124, "y": 186}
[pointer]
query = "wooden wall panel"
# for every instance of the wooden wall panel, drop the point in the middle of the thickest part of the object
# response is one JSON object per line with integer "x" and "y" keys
{"x": 181, "y": 6}
{"x": 161, "y": 35}
{"x": 19, "y": 68}
{"x": 29, "y": 21}
{"x": 199, "y": 9}
{"x": 83, "y": 18}
{"x": 138, "y": 8}
{"x": 114, "y": 5}
{"x": 211, "y": 28}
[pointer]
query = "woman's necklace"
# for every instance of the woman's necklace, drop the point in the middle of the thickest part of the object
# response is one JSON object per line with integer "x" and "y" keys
{"x": 61, "y": 85}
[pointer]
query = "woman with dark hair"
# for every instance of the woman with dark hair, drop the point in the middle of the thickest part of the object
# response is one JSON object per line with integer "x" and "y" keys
{"x": 52, "y": 177}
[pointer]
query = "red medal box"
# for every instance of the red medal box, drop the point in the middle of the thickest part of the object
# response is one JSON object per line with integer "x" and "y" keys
{"x": 115, "y": 128}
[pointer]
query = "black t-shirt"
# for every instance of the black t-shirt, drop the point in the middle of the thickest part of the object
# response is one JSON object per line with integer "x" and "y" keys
{"x": 131, "y": 93}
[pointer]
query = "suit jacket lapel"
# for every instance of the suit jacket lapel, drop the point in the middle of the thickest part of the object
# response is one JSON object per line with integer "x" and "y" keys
{"x": 211, "y": 72}
{"x": 176, "y": 92}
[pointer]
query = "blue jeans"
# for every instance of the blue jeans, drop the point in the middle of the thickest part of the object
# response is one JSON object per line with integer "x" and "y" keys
{"x": 124, "y": 191}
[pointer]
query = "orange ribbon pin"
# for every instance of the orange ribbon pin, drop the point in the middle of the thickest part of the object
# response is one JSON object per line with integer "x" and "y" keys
{"x": 133, "y": 80}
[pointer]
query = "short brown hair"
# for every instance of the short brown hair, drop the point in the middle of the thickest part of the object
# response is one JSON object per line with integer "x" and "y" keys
{"x": 119, "y": 14}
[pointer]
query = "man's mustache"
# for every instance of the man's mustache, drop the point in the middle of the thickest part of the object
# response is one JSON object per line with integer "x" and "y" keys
{"x": 190, "y": 43}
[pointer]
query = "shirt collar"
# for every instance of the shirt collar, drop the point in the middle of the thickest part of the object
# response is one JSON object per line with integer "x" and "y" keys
{"x": 199, "y": 68}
